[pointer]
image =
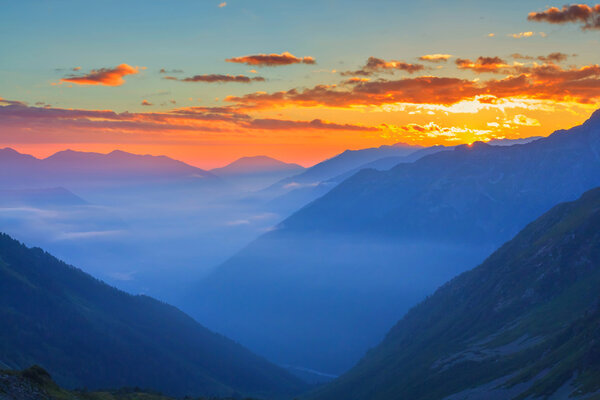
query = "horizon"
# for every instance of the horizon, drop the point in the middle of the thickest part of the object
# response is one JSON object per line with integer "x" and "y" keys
{"x": 510, "y": 72}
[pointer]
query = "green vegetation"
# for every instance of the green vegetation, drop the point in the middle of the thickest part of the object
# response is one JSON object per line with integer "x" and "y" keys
{"x": 36, "y": 383}
{"x": 91, "y": 335}
{"x": 524, "y": 324}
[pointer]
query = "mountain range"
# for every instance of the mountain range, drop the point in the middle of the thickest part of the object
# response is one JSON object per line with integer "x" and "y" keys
{"x": 85, "y": 168}
{"x": 91, "y": 335}
{"x": 352, "y": 262}
{"x": 524, "y": 324}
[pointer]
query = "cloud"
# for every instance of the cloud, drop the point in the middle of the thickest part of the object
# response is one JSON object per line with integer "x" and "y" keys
{"x": 170, "y": 71}
{"x": 375, "y": 65}
{"x": 271, "y": 60}
{"x": 587, "y": 16}
{"x": 218, "y": 78}
{"x": 146, "y": 103}
{"x": 556, "y": 57}
{"x": 482, "y": 64}
{"x": 223, "y": 4}
{"x": 523, "y": 120}
{"x": 521, "y": 35}
{"x": 46, "y": 124}
{"x": 11, "y": 102}
{"x": 435, "y": 58}
{"x": 314, "y": 124}
{"x": 416, "y": 132}
{"x": 538, "y": 82}
{"x": 103, "y": 76}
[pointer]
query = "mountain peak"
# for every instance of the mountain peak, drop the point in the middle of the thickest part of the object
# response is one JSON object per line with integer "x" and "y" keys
{"x": 256, "y": 164}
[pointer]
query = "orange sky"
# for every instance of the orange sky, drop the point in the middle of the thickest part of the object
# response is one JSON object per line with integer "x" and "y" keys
{"x": 528, "y": 72}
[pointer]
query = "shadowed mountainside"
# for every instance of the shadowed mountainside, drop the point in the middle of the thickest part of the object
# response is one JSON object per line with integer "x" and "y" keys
{"x": 524, "y": 324}
{"x": 92, "y": 335}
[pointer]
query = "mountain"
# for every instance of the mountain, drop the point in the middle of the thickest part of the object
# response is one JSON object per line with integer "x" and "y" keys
{"x": 254, "y": 173}
{"x": 88, "y": 334}
{"x": 256, "y": 165}
{"x": 351, "y": 263}
{"x": 35, "y": 383}
{"x": 341, "y": 163}
{"x": 510, "y": 142}
{"x": 523, "y": 324}
{"x": 86, "y": 168}
{"x": 50, "y": 197}
{"x": 301, "y": 195}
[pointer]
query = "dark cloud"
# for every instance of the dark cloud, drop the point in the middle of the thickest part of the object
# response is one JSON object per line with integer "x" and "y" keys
{"x": 587, "y": 16}
{"x": 375, "y": 65}
{"x": 170, "y": 71}
{"x": 218, "y": 78}
{"x": 482, "y": 64}
{"x": 271, "y": 60}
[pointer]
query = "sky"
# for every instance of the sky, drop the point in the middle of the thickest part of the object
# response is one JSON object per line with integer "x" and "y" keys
{"x": 208, "y": 81}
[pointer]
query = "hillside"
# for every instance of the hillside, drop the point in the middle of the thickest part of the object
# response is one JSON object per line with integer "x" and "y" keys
{"x": 524, "y": 324}
{"x": 380, "y": 241}
{"x": 35, "y": 383}
{"x": 88, "y": 334}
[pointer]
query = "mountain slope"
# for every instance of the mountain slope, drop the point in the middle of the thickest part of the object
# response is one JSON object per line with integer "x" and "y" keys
{"x": 353, "y": 261}
{"x": 89, "y": 334}
{"x": 341, "y": 163}
{"x": 527, "y": 321}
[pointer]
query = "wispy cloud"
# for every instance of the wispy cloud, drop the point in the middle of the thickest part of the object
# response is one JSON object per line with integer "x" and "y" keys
{"x": 435, "y": 58}
{"x": 218, "y": 78}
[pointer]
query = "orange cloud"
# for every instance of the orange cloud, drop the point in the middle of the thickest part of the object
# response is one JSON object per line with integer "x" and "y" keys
{"x": 587, "y": 16}
{"x": 375, "y": 65}
{"x": 218, "y": 78}
{"x": 146, "y": 103}
{"x": 540, "y": 82}
{"x": 435, "y": 58}
{"x": 271, "y": 60}
{"x": 521, "y": 35}
{"x": 103, "y": 76}
{"x": 482, "y": 64}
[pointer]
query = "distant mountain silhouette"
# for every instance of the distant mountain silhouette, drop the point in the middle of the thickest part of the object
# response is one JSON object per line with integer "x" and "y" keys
{"x": 292, "y": 193}
{"x": 344, "y": 162}
{"x": 524, "y": 324}
{"x": 24, "y": 171}
{"x": 255, "y": 173}
{"x": 255, "y": 165}
{"x": 88, "y": 334}
{"x": 349, "y": 264}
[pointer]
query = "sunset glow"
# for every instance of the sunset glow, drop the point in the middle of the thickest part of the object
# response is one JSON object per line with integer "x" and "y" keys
{"x": 292, "y": 97}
